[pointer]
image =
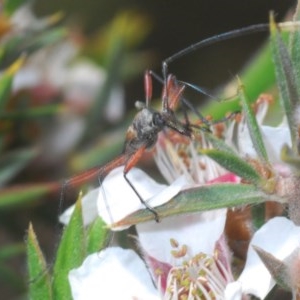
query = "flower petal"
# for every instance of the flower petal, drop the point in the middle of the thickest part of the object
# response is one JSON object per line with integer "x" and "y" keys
{"x": 279, "y": 237}
{"x": 274, "y": 138}
{"x": 117, "y": 199}
{"x": 114, "y": 273}
{"x": 198, "y": 231}
{"x": 233, "y": 291}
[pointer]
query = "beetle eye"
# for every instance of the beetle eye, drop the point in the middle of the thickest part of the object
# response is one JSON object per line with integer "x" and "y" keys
{"x": 158, "y": 120}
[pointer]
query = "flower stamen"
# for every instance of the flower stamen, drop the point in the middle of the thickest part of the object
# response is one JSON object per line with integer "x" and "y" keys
{"x": 201, "y": 277}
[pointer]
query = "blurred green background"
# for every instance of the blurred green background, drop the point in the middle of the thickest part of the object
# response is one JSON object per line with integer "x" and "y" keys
{"x": 160, "y": 29}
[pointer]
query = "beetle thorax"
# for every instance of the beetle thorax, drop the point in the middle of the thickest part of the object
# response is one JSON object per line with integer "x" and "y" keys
{"x": 144, "y": 129}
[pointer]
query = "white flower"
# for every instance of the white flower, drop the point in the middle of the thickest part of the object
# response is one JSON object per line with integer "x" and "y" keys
{"x": 274, "y": 137}
{"x": 114, "y": 273}
{"x": 279, "y": 237}
{"x": 193, "y": 245}
{"x": 54, "y": 71}
{"x": 187, "y": 254}
{"x": 115, "y": 199}
{"x": 24, "y": 19}
{"x": 199, "y": 231}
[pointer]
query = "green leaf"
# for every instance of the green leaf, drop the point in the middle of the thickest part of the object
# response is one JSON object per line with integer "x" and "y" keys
{"x": 278, "y": 269}
{"x": 199, "y": 199}
{"x": 21, "y": 194}
{"x": 97, "y": 236}
{"x": 46, "y": 38}
{"x": 39, "y": 279}
{"x": 34, "y": 112}
{"x": 294, "y": 48}
{"x": 218, "y": 144}
{"x": 253, "y": 127}
{"x": 30, "y": 43}
{"x": 286, "y": 79}
{"x": 10, "y": 6}
{"x": 234, "y": 164}
{"x": 13, "y": 162}
{"x": 71, "y": 253}
{"x": 5, "y": 88}
{"x": 6, "y": 81}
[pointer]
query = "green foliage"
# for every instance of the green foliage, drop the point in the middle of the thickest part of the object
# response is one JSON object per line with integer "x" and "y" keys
{"x": 21, "y": 194}
{"x": 97, "y": 236}
{"x": 25, "y": 119}
{"x": 70, "y": 254}
{"x": 39, "y": 277}
{"x": 76, "y": 242}
{"x": 234, "y": 164}
{"x": 253, "y": 126}
{"x": 30, "y": 118}
{"x": 286, "y": 78}
{"x": 13, "y": 162}
{"x": 200, "y": 199}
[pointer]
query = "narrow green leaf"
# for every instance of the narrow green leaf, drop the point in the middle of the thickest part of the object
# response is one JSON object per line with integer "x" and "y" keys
{"x": 234, "y": 164}
{"x": 97, "y": 236}
{"x": 278, "y": 269}
{"x": 13, "y": 162}
{"x": 5, "y": 87}
{"x": 46, "y": 38}
{"x": 39, "y": 279}
{"x": 22, "y": 194}
{"x": 199, "y": 199}
{"x": 6, "y": 81}
{"x": 218, "y": 144}
{"x": 294, "y": 48}
{"x": 71, "y": 253}
{"x": 31, "y": 42}
{"x": 286, "y": 78}
{"x": 253, "y": 127}
{"x": 35, "y": 112}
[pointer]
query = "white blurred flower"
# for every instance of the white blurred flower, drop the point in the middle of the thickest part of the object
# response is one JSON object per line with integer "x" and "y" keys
{"x": 114, "y": 273}
{"x": 279, "y": 237}
{"x": 24, "y": 19}
{"x": 54, "y": 72}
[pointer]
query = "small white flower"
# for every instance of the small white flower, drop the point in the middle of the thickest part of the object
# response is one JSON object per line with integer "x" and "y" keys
{"x": 280, "y": 237}
{"x": 115, "y": 199}
{"x": 200, "y": 231}
{"x": 114, "y": 273}
{"x": 274, "y": 137}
